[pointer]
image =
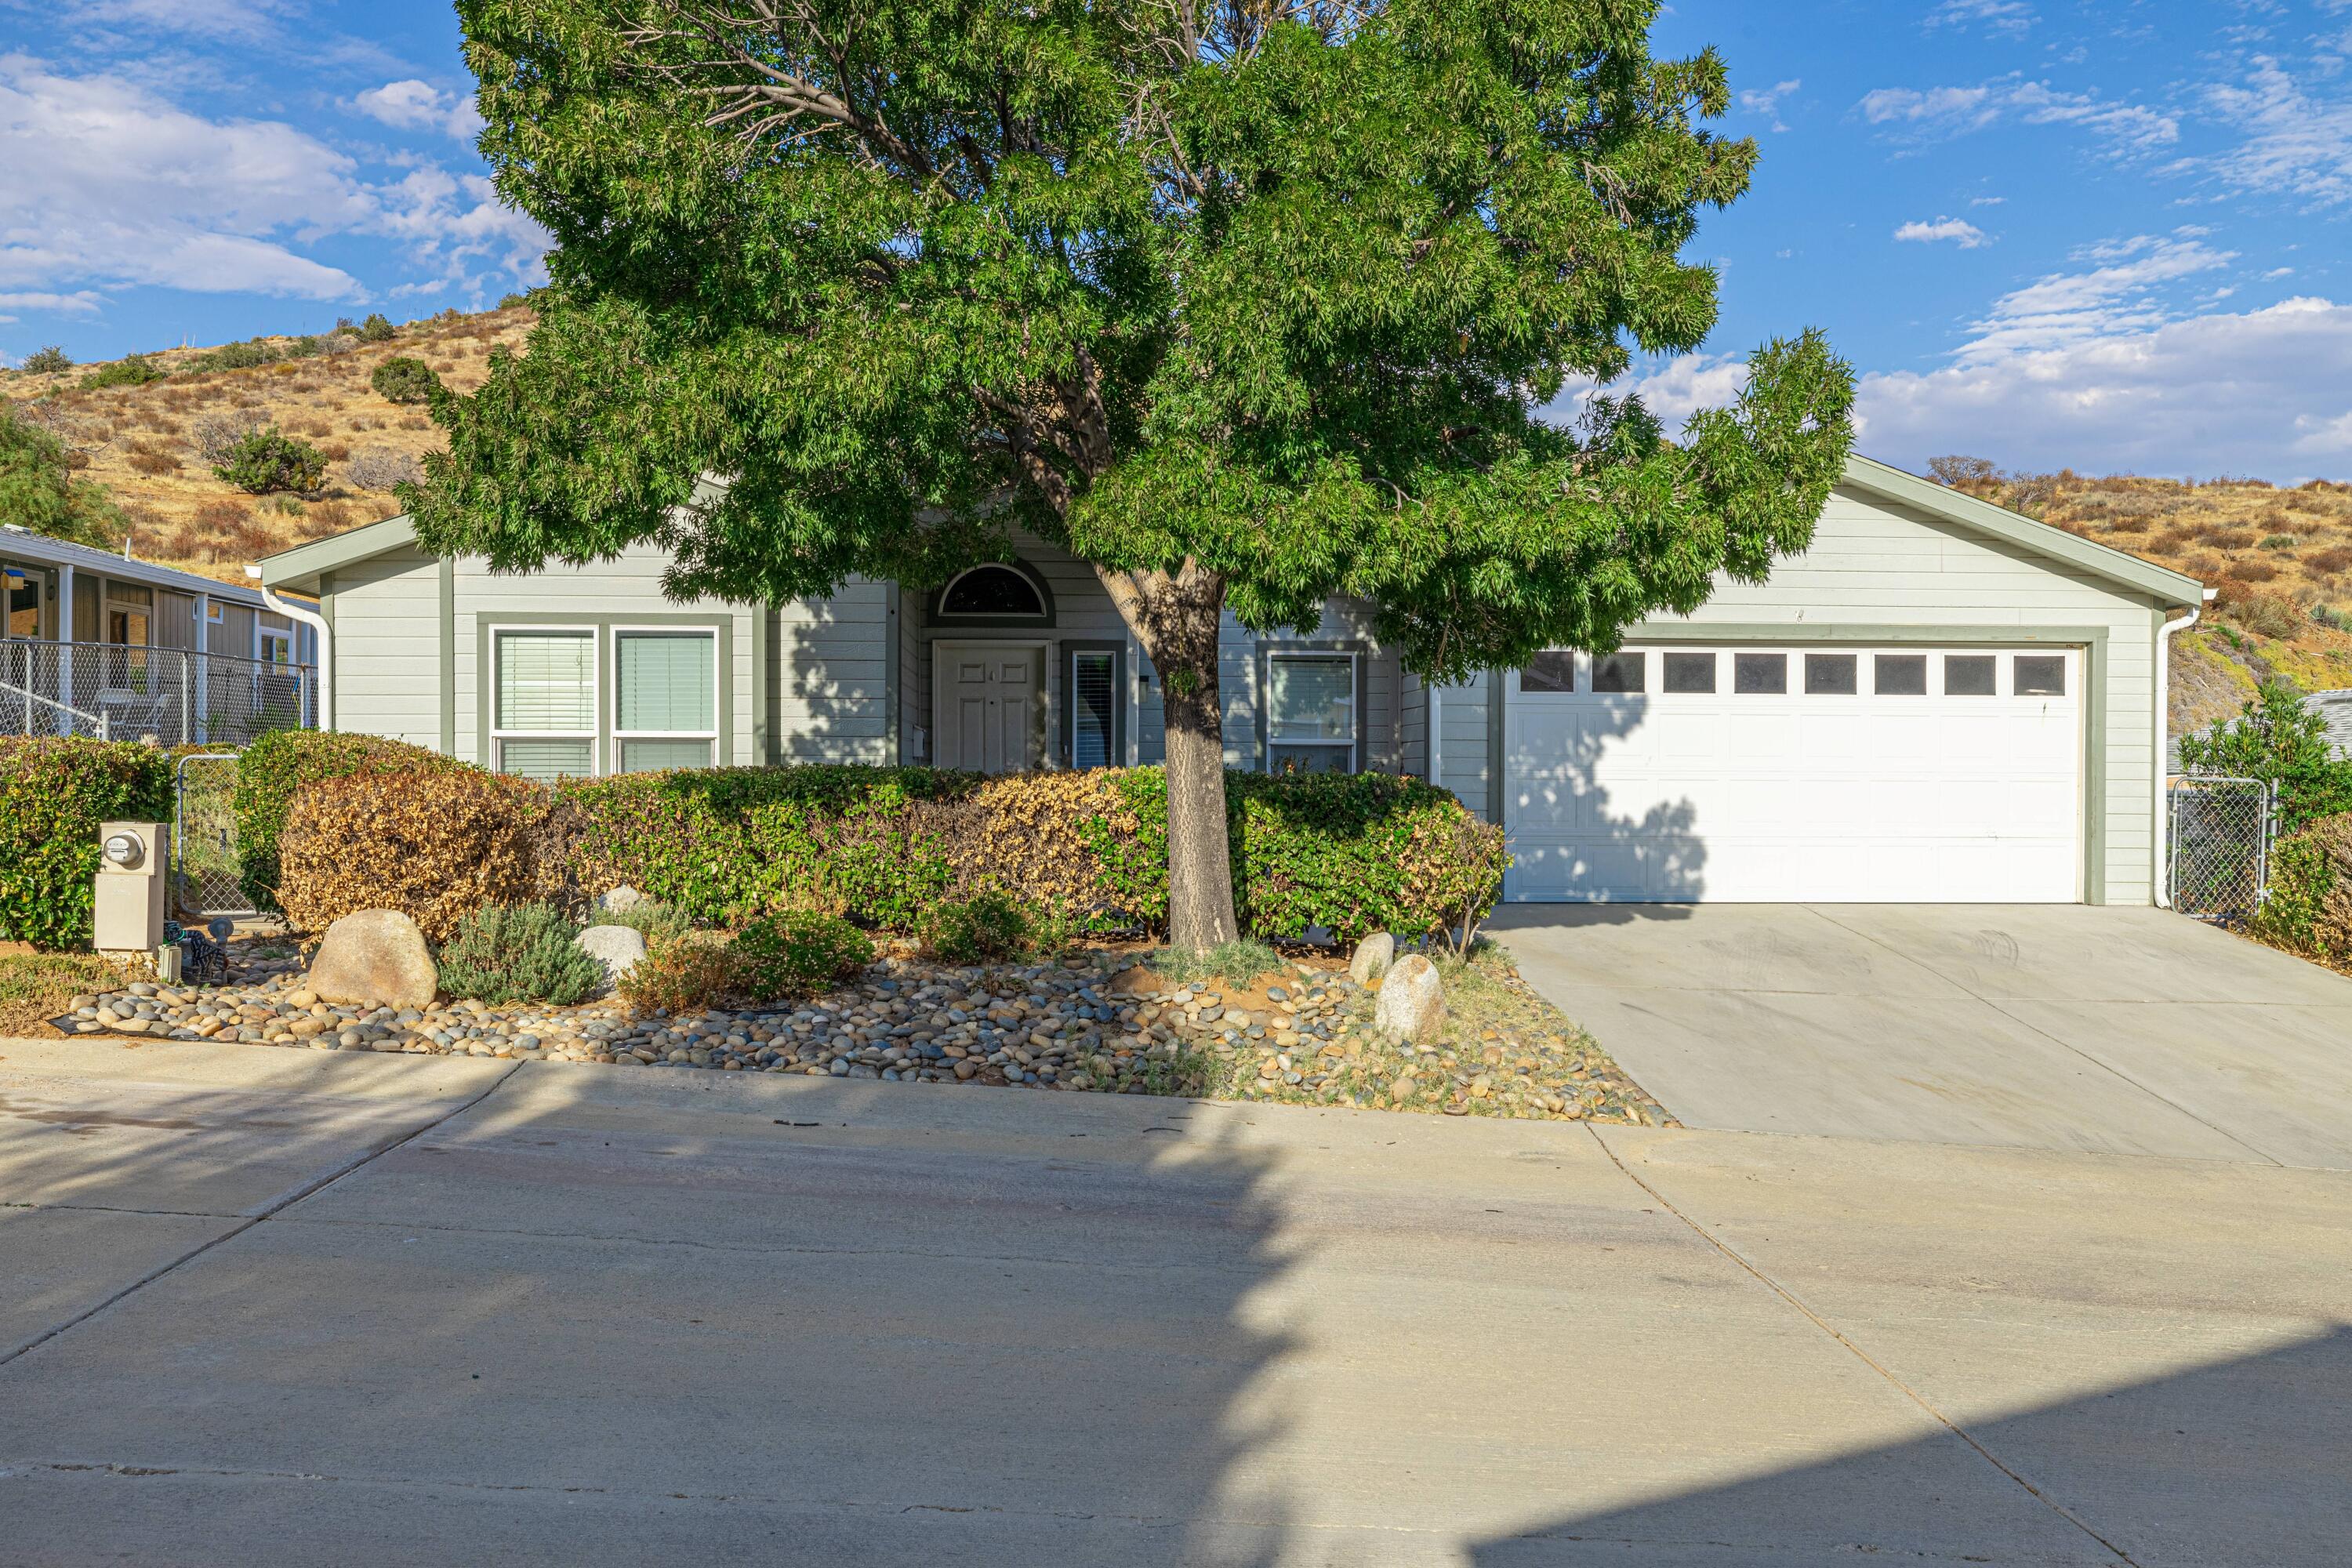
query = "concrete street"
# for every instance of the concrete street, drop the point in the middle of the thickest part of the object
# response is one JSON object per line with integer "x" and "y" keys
{"x": 262, "y": 1306}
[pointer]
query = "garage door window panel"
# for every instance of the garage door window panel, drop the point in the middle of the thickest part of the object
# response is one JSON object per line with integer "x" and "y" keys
{"x": 1760, "y": 674}
{"x": 1971, "y": 674}
{"x": 1620, "y": 672}
{"x": 1549, "y": 674}
{"x": 1832, "y": 674}
{"x": 2040, "y": 675}
{"x": 1310, "y": 702}
{"x": 1690, "y": 674}
{"x": 1899, "y": 673}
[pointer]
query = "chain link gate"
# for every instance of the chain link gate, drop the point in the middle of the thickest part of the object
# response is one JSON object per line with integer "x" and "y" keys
{"x": 205, "y": 868}
{"x": 2218, "y": 867}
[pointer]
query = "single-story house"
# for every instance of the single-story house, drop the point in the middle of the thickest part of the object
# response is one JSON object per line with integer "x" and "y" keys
{"x": 1940, "y": 701}
{"x": 154, "y": 652}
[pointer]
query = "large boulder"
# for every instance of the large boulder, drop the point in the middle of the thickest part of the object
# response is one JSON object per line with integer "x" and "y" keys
{"x": 1374, "y": 954}
{"x": 375, "y": 955}
{"x": 618, "y": 948}
{"x": 1411, "y": 1004}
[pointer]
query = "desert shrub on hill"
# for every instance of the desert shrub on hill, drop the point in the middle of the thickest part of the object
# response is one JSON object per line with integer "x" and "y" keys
{"x": 382, "y": 467}
{"x": 268, "y": 460}
{"x": 136, "y": 371}
{"x": 376, "y": 328}
{"x": 48, "y": 361}
{"x": 401, "y": 379}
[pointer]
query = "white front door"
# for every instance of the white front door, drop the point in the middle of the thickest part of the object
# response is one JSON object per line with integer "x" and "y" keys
{"x": 990, "y": 702}
{"x": 1793, "y": 774}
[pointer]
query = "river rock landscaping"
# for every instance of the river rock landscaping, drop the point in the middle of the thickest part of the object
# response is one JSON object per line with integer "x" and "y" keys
{"x": 1097, "y": 1021}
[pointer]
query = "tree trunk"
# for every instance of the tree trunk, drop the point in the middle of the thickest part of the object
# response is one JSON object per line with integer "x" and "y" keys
{"x": 1200, "y": 857}
{"x": 1175, "y": 616}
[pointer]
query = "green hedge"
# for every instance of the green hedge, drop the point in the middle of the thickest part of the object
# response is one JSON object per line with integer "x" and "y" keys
{"x": 53, "y": 795}
{"x": 885, "y": 846}
{"x": 2308, "y": 906}
{"x": 273, "y": 770}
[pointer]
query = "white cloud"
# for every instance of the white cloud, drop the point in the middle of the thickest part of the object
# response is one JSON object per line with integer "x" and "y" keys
{"x": 414, "y": 105}
{"x": 2066, "y": 309}
{"x": 1935, "y": 112}
{"x": 2293, "y": 143}
{"x": 1967, "y": 236}
{"x": 113, "y": 184}
{"x": 80, "y": 303}
{"x": 2002, "y": 15}
{"x": 2267, "y": 391}
{"x": 245, "y": 21}
{"x": 1767, "y": 101}
{"x": 1987, "y": 201}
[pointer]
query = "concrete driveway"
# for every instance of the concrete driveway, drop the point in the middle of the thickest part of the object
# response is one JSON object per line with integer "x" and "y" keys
{"x": 268, "y": 1306}
{"x": 2124, "y": 1030}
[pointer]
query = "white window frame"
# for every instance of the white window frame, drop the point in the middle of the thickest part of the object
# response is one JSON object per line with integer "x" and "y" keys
{"x": 499, "y": 737}
{"x": 717, "y": 675}
{"x": 1272, "y": 760}
{"x": 1041, "y": 616}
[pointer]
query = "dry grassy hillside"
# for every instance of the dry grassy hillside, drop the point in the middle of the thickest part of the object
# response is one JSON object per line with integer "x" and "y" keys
{"x": 142, "y": 442}
{"x": 2280, "y": 559}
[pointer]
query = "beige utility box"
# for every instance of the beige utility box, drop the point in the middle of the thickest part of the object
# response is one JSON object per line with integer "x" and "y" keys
{"x": 135, "y": 863}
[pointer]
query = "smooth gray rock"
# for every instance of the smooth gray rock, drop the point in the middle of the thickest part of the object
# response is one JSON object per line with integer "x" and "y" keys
{"x": 375, "y": 956}
{"x": 1412, "y": 1003}
{"x": 620, "y": 900}
{"x": 618, "y": 948}
{"x": 1374, "y": 956}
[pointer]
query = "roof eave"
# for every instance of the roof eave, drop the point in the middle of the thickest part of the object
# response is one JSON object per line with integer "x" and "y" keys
{"x": 302, "y": 567}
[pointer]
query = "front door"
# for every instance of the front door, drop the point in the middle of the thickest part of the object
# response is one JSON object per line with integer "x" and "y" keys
{"x": 990, "y": 699}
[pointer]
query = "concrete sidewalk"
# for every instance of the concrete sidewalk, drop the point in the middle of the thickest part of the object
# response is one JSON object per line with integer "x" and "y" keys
{"x": 2128, "y": 1031}
{"x": 412, "y": 1311}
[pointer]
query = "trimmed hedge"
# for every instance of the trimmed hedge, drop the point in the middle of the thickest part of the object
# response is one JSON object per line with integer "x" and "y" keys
{"x": 280, "y": 764}
{"x": 881, "y": 847}
{"x": 2309, "y": 906}
{"x": 438, "y": 845}
{"x": 54, "y": 793}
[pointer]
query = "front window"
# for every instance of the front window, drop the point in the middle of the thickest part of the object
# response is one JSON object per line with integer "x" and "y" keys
{"x": 665, "y": 699}
{"x": 544, "y": 719}
{"x": 1310, "y": 712}
{"x": 993, "y": 591}
{"x": 24, "y": 601}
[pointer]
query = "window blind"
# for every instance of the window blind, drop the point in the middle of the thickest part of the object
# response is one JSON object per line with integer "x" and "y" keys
{"x": 1091, "y": 698}
{"x": 655, "y": 756}
{"x": 1311, "y": 699}
{"x": 547, "y": 761}
{"x": 546, "y": 680}
{"x": 667, "y": 683}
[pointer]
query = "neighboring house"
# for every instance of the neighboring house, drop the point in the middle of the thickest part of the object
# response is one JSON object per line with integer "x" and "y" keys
{"x": 1940, "y": 701}
{"x": 97, "y": 640}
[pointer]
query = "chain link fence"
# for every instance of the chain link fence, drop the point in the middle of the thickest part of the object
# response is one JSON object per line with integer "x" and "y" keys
{"x": 205, "y": 864}
{"x": 2221, "y": 831}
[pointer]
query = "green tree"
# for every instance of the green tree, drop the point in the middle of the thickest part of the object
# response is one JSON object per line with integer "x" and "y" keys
{"x": 1246, "y": 306}
{"x": 48, "y": 359}
{"x": 2280, "y": 739}
{"x": 39, "y": 492}
{"x": 377, "y": 329}
{"x": 401, "y": 379}
{"x": 268, "y": 460}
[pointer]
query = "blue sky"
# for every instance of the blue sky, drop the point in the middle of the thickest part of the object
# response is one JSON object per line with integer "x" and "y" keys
{"x": 2107, "y": 233}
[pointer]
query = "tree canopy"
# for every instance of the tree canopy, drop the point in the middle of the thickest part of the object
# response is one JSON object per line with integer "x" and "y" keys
{"x": 39, "y": 490}
{"x": 1248, "y": 305}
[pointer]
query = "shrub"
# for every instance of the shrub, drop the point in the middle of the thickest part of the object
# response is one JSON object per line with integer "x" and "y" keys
{"x": 2277, "y": 738}
{"x": 508, "y": 302}
{"x": 382, "y": 467}
{"x": 37, "y": 490}
{"x": 519, "y": 953}
{"x": 136, "y": 371}
{"x": 2309, "y": 906}
{"x": 235, "y": 356}
{"x": 2330, "y": 560}
{"x": 143, "y": 461}
{"x": 54, "y": 793}
{"x": 404, "y": 380}
{"x": 883, "y": 846}
{"x": 282, "y": 764}
{"x": 434, "y": 845}
{"x": 685, "y": 973}
{"x": 796, "y": 955}
{"x": 48, "y": 359}
{"x": 656, "y": 921}
{"x": 2252, "y": 570}
{"x": 377, "y": 330}
{"x": 268, "y": 460}
{"x": 984, "y": 929}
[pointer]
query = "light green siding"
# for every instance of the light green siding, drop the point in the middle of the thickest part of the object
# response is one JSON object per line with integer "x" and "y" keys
{"x": 387, "y": 646}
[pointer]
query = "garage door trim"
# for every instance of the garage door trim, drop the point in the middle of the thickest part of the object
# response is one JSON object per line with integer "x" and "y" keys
{"x": 2091, "y": 640}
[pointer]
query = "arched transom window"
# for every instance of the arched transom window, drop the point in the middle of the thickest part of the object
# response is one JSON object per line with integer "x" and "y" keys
{"x": 995, "y": 591}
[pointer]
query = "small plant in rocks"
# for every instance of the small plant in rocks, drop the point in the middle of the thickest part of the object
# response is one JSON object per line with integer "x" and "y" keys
{"x": 987, "y": 927}
{"x": 797, "y": 954}
{"x": 519, "y": 953}
{"x": 691, "y": 969}
{"x": 657, "y": 921}
{"x": 1237, "y": 963}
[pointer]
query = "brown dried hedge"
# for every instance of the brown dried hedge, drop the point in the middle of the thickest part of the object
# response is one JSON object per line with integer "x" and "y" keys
{"x": 434, "y": 845}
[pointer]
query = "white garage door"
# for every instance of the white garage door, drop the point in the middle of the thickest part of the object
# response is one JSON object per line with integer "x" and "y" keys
{"x": 1786, "y": 772}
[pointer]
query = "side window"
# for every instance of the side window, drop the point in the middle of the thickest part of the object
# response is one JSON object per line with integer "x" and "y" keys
{"x": 1310, "y": 712}
{"x": 544, "y": 715}
{"x": 666, "y": 698}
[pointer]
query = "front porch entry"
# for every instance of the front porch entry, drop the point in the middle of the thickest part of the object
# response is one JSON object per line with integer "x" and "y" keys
{"x": 988, "y": 705}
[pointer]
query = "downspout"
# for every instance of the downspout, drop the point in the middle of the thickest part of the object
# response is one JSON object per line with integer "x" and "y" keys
{"x": 318, "y": 625}
{"x": 2159, "y": 828}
